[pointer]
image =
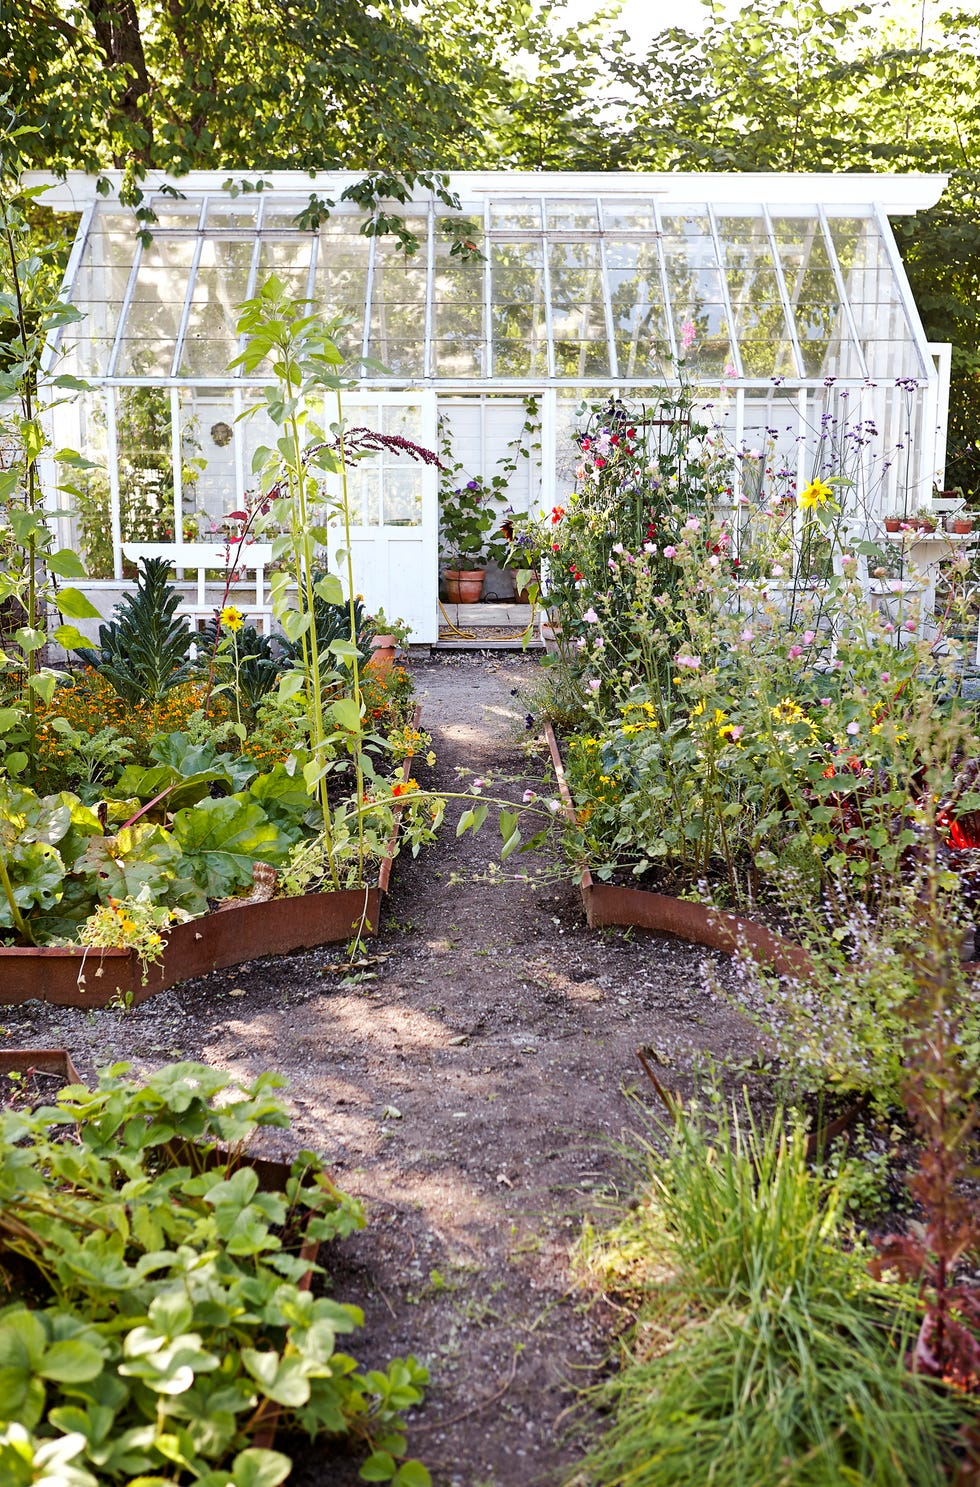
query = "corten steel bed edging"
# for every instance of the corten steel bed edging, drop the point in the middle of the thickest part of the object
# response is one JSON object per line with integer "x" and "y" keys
{"x": 227, "y": 937}
{"x": 607, "y": 904}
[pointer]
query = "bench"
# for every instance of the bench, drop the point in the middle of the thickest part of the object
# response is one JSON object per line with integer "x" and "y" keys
{"x": 201, "y": 558}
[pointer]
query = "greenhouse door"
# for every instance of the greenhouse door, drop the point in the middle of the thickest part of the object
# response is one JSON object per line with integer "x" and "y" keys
{"x": 395, "y": 512}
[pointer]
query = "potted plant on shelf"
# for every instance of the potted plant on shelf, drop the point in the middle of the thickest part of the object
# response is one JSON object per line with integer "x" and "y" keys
{"x": 388, "y": 636}
{"x": 467, "y": 538}
{"x": 925, "y": 519}
{"x": 527, "y": 544}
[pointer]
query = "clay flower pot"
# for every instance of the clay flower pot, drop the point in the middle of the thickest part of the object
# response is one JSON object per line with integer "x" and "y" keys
{"x": 961, "y": 525}
{"x": 464, "y": 585}
{"x": 383, "y": 651}
{"x": 893, "y": 523}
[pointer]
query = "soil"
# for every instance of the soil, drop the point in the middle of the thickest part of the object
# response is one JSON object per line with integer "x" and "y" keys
{"x": 473, "y": 1082}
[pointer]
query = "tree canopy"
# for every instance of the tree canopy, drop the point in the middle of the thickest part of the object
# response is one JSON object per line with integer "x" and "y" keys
{"x": 408, "y": 86}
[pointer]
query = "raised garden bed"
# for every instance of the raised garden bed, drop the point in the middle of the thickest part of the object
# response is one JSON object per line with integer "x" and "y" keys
{"x": 699, "y": 924}
{"x": 229, "y": 936}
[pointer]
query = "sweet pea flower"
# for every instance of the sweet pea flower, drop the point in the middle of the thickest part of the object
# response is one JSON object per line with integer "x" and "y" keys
{"x": 809, "y": 636}
{"x": 825, "y": 701}
{"x": 670, "y": 552}
{"x": 692, "y": 524}
{"x": 691, "y": 662}
{"x": 590, "y": 617}
{"x": 736, "y": 732}
{"x": 794, "y": 651}
{"x": 529, "y": 795}
{"x": 748, "y": 636}
{"x": 618, "y": 547}
{"x": 777, "y": 571}
{"x": 853, "y": 728}
{"x": 889, "y": 629}
{"x": 910, "y": 626}
{"x": 593, "y": 684}
{"x": 885, "y": 678}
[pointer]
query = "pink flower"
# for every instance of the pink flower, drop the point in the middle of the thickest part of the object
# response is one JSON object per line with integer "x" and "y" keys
{"x": 736, "y": 732}
{"x": 670, "y": 552}
{"x": 889, "y": 629}
{"x": 853, "y": 728}
{"x": 689, "y": 334}
{"x": 713, "y": 561}
{"x": 910, "y": 626}
{"x": 885, "y": 678}
{"x": 748, "y": 636}
{"x": 692, "y": 524}
{"x": 794, "y": 651}
{"x": 590, "y": 617}
{"x": 777, "y": 571}
{"x": 691, "y": 662}
{"x": 593, "y": 685}
{"x": 529, "y": 795}
{"x": 825, "y": 702}
{"x": 809, "y": 636}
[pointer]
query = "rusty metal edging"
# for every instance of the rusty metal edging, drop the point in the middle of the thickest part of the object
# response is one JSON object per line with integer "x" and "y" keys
{"x": 716, "y": 929}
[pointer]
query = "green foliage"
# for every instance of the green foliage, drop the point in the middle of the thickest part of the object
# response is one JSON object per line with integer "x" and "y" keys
{"x": 143, "y": 650}
{"x": 762, "y": 1343}
{"x": 173, "y": 1319}
{"x": 250, "y": 665}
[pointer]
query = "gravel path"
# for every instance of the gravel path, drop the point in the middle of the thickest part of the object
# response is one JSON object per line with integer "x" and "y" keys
{"x": 471, "y": 1087}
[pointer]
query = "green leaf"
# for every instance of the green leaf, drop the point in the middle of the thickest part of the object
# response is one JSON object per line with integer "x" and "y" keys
{"x": 73, "y": 603}
{"x": 347, "y": 714}
{"x": 66, "y": 563}
{"x": 295, "y": 624}
{"x": 379, "y": 1467}
{"x": 44, "y": 684}
{"x": 259, "y": 1468}
{"x": 30, "y": 639}
{"x": 70, "y": 638}
{"x": 413, "y": 1474}
{"x": 221, "y": 839}
{"x": 509, "y": 832}
{"x": 71, "y": 1362}
{"x": 329, "y": 588}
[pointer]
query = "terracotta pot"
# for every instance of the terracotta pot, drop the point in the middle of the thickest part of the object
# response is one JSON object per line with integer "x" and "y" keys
{"x": 962, "y": 525}
{"x": 523, "y": 596}
{"x": 893, "y": 523}
{"x": 464, "y": 585}
{"x": 383, "y": 651}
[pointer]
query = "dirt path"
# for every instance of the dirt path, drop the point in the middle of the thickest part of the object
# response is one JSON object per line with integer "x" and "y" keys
{"x": 471, "y": 1094}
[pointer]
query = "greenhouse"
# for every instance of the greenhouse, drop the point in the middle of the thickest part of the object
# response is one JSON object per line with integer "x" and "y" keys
{"x": 781, "y": 299}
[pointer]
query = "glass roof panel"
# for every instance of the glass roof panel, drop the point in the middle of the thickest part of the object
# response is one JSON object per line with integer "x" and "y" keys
{"x": 758, "y": 317}
{"x": 578, "y": 311}
{"x": 517, "y": 310}
{"x": 149, "y": 331}
{"x": 519, "y": 214}
{"x": 398, "y": 292}
{"x": 340, "y": 282}
{"x": 628, "y": 216}
{"x": 571, "y": 216}
{"x": 697, "y": 297}
{"x": 873, "y": 293}
{"x": 457, "y": 311}
{"x": 636, "y": 295}
{"x": 210, "y": 340}
{"x": 240, "y": 214}
{"x": 172, "y": 214}
{"x": 99, "y": 290}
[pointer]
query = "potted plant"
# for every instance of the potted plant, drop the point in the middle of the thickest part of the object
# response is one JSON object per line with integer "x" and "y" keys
{"x": 962, "y": 523}
{"x": 467, "y": 519}
{"x": 893, "y": 523}
{"x": 527, "y": 545}
{"x": 388, "y": 636}
{"x": 925, "y": 519}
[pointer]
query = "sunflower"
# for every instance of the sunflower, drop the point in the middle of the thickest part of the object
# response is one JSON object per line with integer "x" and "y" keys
{"x": 231, "y": 618}
{"x": 817, "y": 493}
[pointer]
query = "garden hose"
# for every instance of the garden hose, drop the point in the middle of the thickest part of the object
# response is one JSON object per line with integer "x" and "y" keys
{"x": 471, "y": 634}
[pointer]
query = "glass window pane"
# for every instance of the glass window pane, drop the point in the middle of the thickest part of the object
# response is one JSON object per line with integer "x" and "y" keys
{"x": 208, "y": 439}
{"x": 171, "y": 213}
{"x": 639, "y": 319}
{"x": 517, "y": 309}
{"x": 146, "y": 468}
{"x": 211, "y": 341}
{"x": 578, "y": 313}
{"x": 150, "y": 329}
{"x": 516, "y": 214}
{"x": 386, "y": 488}
{"x": 821, "y": 326}
{"x": 91, "y": 530}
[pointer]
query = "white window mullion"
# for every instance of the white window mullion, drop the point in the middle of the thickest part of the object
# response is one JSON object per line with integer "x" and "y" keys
{"x": 112, "y": 441}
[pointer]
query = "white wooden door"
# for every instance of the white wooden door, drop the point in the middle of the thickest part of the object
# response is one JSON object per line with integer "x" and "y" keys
{"x": 394, "y": 503}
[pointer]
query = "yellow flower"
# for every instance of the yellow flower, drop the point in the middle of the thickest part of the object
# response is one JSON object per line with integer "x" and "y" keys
{"x": 814, "y": 494}
{"x": 231, "y": 618}
{"x": 787, "y": 711}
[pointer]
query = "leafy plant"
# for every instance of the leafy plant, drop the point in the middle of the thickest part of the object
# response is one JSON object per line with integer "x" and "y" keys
{"x": 174, "y": 1321}
{"x": 143, "y": 651}
{"x": 261, "y": 660}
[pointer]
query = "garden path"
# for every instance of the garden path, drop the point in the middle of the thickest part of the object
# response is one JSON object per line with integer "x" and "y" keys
{"x": 471, "y": 1089}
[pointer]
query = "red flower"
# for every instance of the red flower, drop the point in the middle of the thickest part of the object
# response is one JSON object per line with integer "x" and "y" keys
{"x": 600, "y": 463}
{"x": 557, "y": 512}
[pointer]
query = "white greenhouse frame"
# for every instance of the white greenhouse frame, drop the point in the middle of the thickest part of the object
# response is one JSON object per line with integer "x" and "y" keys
{"x": 607, "y": 272}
